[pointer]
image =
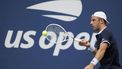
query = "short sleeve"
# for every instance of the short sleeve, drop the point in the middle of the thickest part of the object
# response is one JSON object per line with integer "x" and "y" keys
{"x": 106, "y": 38}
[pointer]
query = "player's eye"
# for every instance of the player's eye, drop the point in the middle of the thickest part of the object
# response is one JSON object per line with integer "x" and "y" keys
{"x": 93, "y": 19}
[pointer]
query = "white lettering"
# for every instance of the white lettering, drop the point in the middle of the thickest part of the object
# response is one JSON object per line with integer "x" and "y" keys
{"x": 59, "y": 44}
{"x": 53, "y": 38}
{"x": 27, "y": 38}
{"x": 84, "y": 35}
{"x": 44, "y": 43}
{"x": 16, "y": 42}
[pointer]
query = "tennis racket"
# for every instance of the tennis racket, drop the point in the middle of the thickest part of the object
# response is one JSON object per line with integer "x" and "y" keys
{"x": 57, "y": 29}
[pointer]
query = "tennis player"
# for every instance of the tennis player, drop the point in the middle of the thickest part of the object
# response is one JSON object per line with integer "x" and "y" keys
{"x": 105, "y": 50}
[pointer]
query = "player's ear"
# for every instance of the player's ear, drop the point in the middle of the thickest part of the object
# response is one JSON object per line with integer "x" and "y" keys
{"x": 101, "y": 20}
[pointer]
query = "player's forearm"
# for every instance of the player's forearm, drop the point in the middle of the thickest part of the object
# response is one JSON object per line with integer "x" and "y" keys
{"x": 101, "y": 51}
{"x": 99, "y": 54}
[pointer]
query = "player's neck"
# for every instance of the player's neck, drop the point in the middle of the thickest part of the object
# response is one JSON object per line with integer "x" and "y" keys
{"x": 101, "y": 29}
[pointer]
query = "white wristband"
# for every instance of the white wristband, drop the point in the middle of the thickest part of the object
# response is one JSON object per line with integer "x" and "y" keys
{"x": 94, "y": 61}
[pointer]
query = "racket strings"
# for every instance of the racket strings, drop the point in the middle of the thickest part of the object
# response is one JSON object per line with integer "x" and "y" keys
{"x": 58, "y": 30}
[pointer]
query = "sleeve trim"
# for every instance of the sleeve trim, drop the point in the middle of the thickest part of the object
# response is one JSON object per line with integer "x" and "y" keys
{"x": 105, "y": 41}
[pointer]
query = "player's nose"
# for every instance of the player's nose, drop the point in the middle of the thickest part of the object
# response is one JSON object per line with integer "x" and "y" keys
{"x": 91, "y": 23}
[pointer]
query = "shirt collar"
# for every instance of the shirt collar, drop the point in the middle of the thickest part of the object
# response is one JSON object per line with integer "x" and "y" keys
{"x": 102, "y": 30}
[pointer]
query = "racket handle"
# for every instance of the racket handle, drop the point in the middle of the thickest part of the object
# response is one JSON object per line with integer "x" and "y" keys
{"x": 76, "y": 39}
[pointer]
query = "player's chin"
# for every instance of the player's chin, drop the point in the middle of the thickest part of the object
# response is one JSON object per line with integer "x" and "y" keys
{"x": 93, "y": 28}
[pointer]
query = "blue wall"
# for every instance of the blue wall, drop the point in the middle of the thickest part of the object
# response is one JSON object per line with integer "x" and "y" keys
{"x": 14, "y": 16}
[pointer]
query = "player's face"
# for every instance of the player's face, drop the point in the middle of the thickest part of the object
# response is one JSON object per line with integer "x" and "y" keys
{"x": 95, "y": 23}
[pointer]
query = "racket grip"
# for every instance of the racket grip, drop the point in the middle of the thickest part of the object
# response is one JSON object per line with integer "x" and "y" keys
{"x": 76, "y": 39}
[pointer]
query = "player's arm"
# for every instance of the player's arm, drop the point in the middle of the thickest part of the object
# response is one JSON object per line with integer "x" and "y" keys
{"x": 99, "y": 55}
{"x": 101, "y": 51}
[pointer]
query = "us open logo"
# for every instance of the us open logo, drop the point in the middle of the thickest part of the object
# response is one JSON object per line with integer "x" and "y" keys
{"x": 68, "y": 10}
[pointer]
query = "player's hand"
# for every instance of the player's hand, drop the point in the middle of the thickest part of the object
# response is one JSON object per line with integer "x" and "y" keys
{"x": 84, "y": 42}
{"x": 90, "y": 66}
